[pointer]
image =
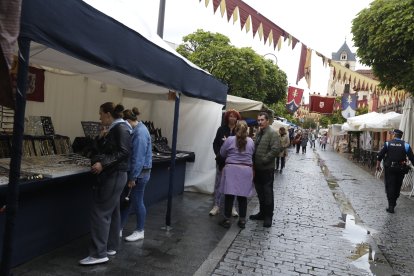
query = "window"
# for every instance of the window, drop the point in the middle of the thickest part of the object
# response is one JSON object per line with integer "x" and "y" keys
{"x": 344, "y": 56}
{"x": 347, "y": 65}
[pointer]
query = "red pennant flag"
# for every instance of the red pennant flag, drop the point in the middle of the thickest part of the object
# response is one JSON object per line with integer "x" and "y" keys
{"x": 294, "y": 98}
{"x": 294, "y": 94}
{"x": 320, "y": 104}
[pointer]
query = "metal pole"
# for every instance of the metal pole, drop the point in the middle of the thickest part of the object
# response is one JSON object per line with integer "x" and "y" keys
{"x": 161, "y": 15}
{"x": 271, "y": 55}
{"x": 16, "y": 157}
{"x": 172, "y": 166}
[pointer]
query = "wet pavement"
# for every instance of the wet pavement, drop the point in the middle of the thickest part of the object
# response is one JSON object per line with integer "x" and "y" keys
{"x": 329, "y": 219}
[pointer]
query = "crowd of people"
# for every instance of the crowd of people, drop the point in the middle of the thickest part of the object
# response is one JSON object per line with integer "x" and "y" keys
{"x": 246, "y": 163}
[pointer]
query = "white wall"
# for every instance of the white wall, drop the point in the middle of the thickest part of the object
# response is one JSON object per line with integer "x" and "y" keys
{"x": 71, "y": 99}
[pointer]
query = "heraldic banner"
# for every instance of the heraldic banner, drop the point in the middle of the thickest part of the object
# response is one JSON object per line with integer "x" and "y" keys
{"x": 320, "y": 104}
{"x": 349, "y": 105}
{"x": 293, "y": 99}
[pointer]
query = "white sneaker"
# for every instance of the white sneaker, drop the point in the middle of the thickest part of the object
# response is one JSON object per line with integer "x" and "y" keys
{"x": 214, "y": 211}
{"x": 111, "y": 252}
{"x": 91, "y": 260}
{"x": 234, "y": 212}
{"x": 136, "y": 235}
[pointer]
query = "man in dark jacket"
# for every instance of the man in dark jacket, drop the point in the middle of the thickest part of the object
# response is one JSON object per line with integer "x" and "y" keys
{"x": 267, "y": 147}
{"x": 395, "y": 152}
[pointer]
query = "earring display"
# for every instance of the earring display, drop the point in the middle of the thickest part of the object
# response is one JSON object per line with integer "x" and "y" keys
{"x": 48, "y": 128}
{"x": 6, "y": 119}
{"x": 91, "y": 129}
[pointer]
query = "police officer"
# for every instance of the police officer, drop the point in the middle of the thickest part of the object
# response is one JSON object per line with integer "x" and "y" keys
{"x": 395, "y": 152}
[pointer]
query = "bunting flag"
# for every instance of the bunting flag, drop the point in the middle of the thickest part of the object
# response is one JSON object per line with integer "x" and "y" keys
{"x": 349, "y": 105}
{"x": 271, "y": 33}
{"x": 320, "y": 104}
{"x": 254, "y": 20}
{"x": 294, "y": 98}
{"x": 304, "y": 69}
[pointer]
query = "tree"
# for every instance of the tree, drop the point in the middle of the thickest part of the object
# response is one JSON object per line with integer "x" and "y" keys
{"x": 383, "y": 34}
{"x": 246, "y": 73}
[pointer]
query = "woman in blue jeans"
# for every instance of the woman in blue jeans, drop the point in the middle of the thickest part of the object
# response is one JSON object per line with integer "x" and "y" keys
{"x": 139, "y": 173}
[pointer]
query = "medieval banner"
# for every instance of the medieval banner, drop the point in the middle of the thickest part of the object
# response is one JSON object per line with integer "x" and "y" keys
{"x": 294, "y": 99}
{"x": 349, "y": 105}
{"x": 320, "y": 104}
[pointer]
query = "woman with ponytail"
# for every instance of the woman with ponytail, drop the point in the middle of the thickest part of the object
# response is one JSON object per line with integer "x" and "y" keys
{"x": 139, "y": 173}
{"x": 237, "y": 174}
{"x": 110, "y": 165}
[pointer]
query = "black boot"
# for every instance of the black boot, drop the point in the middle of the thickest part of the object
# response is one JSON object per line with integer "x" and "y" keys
{"x": 267, "y": 222}
{"x": 390, "y": 209}
{"x": 258, "y": 216}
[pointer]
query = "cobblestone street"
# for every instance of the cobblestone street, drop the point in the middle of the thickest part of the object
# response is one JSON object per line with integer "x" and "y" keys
{"x": 330, "y": 219}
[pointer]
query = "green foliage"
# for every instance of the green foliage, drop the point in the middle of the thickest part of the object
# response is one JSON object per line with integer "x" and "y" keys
{"x": 309, "y": 123}
{"x": 383, "y": 34}
{"x": 246, "y": 73}
{"x": 280, "y": 110}
{"x": 361, "y": 110}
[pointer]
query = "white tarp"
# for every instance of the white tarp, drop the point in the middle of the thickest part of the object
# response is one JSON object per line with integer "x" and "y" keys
{"x": 278, "y": 124}
{"x": 241, "y": 104}
{"x": 407, "y": 121}
{"x": 373, "y": 121}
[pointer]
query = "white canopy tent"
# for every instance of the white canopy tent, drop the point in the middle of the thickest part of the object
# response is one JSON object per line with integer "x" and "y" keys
{"x": 407, "y": 121}
{"x": 373, "y": 121}
{"x": 246, "y": 107}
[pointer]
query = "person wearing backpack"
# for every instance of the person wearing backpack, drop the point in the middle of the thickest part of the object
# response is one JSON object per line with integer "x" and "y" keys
{"x": 395, "y": 153}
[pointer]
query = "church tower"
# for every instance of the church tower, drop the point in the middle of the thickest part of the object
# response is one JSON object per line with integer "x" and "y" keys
{"x": 346, "y": 58}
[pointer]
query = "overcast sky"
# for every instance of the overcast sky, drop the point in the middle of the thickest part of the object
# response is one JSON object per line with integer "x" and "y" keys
{"x": 322, "y": 25}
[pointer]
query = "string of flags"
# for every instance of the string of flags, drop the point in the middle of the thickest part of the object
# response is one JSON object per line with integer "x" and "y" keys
{"x": 269, "y": 32}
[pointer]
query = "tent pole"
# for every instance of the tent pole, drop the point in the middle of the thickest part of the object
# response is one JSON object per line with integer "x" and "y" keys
{"x": 172, "y": 166}
{"x": 16, "y": 156}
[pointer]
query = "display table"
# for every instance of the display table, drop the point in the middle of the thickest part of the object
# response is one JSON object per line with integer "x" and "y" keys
{"x": 54, "y": 211}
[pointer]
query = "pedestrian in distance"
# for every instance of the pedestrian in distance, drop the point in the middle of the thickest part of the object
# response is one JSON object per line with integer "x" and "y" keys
{"x": 297, "y": 140}
{"x": 110, "y": 165}
{"x": 267, "y": 147}
{"x": 323, "y": 140}
{"x": 394, "y": 153}
{"x": 223, "y": 132}
{"x": 237, "y": 174}
{"x": 285, "y": 142}
{"x": 140, "y": 165}
{"x": 304, "y": 142}
{"x": 312, "y": 138}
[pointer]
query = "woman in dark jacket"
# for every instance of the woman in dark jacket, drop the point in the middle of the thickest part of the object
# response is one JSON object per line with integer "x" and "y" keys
{"x": 227, "y": 129}
{"x": 110, "y": 165}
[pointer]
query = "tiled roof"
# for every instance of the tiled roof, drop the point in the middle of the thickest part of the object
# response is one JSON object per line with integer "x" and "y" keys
{"x": 344, "y": 47}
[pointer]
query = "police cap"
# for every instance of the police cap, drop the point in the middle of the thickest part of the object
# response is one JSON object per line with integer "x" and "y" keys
{"x": 397, "y": 131}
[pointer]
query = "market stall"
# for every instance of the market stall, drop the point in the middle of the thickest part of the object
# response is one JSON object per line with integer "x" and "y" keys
{"x": 116, "y": 51}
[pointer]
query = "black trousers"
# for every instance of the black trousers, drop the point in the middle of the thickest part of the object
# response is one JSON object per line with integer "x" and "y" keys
{"x": 263, "y": 182}
{"x": 280, "y": 160}
{"x": 228, "y": 205}
{"x": 297, "y": 148}
{"x": 393, "y": 183}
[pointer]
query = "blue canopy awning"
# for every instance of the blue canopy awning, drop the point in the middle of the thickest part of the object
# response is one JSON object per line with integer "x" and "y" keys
{"x": 78, "y": 38}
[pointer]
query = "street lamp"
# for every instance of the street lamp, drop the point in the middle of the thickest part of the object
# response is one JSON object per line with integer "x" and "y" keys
{"x": 271, "y": 55}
